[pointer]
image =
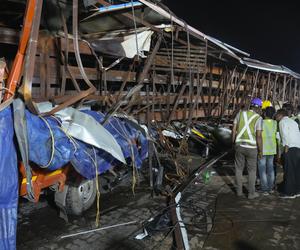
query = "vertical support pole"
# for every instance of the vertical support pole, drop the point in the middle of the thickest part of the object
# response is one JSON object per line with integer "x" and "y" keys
{"x": 255, "y": 84}
{"x": 298, "y": 96}
{"x": 43, "y": 71}
{"x": 295, "y": 91}
{"x": 48, "y": 77}
{"x": 153, "y": 94}
{"x": 284, "y": 89}
{"x": 262, "y": 93}
{"x": 268, "y": 86}
{"x": 150, "y": 146}
{"x": 275, "y": 89}
{"x": 169, "y": 94}
{"x": 290, "y": 89}
{"x": 238, "y": 86}
{"x": 210, "y": 91}
{"x": 63, "y": 80}
{"x": 179, "y": 96}
{"x": 126, "y": 78}
{"x": 185, "y": 111}
{"x": 221, "y": 80}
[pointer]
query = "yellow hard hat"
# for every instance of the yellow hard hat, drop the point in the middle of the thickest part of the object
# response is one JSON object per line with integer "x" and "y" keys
{"x": 266, "y": 104}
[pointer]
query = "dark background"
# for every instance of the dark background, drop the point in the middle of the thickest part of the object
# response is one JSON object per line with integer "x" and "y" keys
{"x": 268, "y": 30}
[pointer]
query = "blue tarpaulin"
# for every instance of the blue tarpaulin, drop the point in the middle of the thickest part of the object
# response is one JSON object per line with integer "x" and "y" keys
{"x": 8, "y": 182}
{"x": 40, "y": 142}
{"x": 133, "y": 143}
{"x": 84, "y": 157}
{"x": 129, "y": 138}
{"x": 41, "y": 135}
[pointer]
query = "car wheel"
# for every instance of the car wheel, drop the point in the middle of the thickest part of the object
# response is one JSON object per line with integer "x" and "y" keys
{"x": 80, "y": 197}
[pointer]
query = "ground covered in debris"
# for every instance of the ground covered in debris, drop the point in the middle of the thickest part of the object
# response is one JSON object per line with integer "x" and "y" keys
{"x": 214, "y": 217}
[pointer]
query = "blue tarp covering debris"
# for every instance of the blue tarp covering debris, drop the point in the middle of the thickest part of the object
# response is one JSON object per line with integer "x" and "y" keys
{"x": 8, "y": 182}
{"x": 84, "y": 157}
{"x": 40, "y": 142}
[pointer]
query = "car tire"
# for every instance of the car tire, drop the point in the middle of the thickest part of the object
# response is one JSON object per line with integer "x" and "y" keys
{"x": 80, "y": 197}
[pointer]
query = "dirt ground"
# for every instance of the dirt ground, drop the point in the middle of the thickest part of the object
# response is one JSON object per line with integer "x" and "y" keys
{"x": 214, "y": 218}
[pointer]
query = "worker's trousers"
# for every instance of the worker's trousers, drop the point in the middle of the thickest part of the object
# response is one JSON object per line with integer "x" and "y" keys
{"x": 291, "y": 176}
{"x": 266, "y": 172}
{"x": 245, "y": 157}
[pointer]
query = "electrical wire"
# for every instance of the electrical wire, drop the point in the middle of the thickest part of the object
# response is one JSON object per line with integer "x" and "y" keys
{"x": 52, "y": 143}
{"x": 97, "y": 219}
{"x": 134, "y": 168}
{"x": 213, "y": 216}
{"x": 94, "y": 161}
{"x": 165, "y": 237}
{"x": 72, "y": 140}
{"x": 126, "y": 137}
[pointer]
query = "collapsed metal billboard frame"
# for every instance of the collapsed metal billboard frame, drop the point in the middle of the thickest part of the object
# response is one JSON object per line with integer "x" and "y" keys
{"x": 186, "y": 74}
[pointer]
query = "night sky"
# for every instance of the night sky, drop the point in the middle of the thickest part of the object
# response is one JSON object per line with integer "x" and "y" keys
{"x": 268, "y": 30}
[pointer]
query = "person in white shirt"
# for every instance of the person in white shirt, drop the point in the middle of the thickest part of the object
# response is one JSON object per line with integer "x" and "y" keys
{"x": 290, "y": 140}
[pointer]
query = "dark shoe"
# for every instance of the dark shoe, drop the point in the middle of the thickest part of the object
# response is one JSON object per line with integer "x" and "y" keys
{"x": 285, "y": 196}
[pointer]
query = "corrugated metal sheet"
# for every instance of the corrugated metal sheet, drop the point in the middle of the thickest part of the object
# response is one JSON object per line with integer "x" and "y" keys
{"x": 252, "y": 63}
{"x": 232, "y": 51}
{"x": 193, "y": 30}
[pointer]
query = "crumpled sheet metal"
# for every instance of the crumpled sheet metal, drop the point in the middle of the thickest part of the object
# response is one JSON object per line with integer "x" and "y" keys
{"x": 124, "y": 45}
{"x": 125, "y": 134}
{"x": 85, "y": 128}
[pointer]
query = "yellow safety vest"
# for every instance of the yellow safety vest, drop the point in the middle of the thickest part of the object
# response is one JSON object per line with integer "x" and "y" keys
{"x": 269, "y": 137}
{"x": 246, "y": 128}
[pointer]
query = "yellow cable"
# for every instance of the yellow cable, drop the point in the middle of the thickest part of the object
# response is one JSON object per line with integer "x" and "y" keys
{"x": 195, "y": 131}
{"x": 126, "y": 136}
{"x": 97, "y": 188}
{"x": 75, "y": 144}
{"x": 133, "y": 171}
{"x": 98, "y": 192}
{"x": 52, "y": 142}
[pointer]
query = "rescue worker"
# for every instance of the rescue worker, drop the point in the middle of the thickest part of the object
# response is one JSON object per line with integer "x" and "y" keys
{"x": 266, "y": 104}
{"x": 266, "y": 163}
{"x": 290, "y": 139}
{"x": 247, "y": 138}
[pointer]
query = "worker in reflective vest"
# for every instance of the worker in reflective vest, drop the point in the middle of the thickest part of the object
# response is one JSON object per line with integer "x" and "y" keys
{"x": 247, "y": 137}
{"x": 266, "y": 163}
